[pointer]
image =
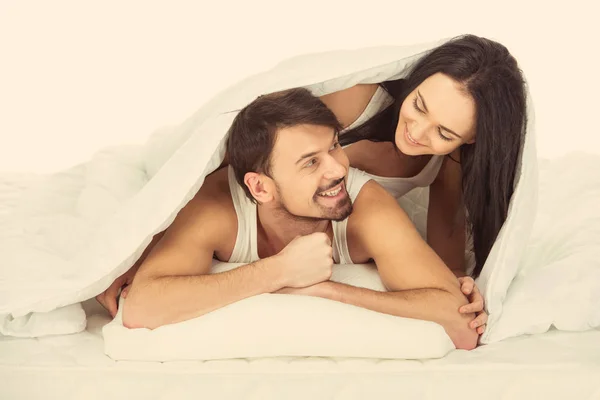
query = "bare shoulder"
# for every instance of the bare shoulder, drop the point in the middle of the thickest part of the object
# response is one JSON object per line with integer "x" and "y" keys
{"x": 378, "y": 222}
{"x": 362, "y": 223}
{"x": 206, "y": 225}
{"x": 215, "y": 188}
{"x": 373, "y": 200}
{"x": 349, "y": 104}
{"x": 451, "y": 171}
{"x": 356, "y": 91}
{"x": 373, "y": 209}
{"x": 210, "y": 214}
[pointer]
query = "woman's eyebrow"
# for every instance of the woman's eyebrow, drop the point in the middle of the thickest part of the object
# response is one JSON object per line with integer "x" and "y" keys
{"x": 441, "y": 126}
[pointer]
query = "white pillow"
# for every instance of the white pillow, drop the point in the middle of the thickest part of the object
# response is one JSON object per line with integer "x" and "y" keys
{"x": 271, "y": 325}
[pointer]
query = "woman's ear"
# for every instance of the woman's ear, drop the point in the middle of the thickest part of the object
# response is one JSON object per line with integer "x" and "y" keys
{"x": 470, "y": 140}
{"x": 260, "y": 186}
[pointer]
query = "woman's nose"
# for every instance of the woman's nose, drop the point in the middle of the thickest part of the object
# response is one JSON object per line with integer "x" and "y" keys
{"x": 419, "y": 131}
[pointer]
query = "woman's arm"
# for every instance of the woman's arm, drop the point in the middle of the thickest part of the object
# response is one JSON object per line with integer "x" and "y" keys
{"x": 446, "y": 224}
{"x": 446, "y": 217}
{"x": 350, "y": 103}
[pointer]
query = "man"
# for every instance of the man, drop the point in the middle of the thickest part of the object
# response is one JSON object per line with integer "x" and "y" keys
{"x": 288, "y": 206}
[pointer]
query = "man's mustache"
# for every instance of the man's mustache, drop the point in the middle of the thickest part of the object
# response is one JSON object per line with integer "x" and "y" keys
{"x": 333, "y": 184}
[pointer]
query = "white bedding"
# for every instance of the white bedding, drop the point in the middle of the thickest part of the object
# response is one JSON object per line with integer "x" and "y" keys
{"x": 73, "y": 233}
{"x": 553, "y": 365}
{"x": 79, "y": 234}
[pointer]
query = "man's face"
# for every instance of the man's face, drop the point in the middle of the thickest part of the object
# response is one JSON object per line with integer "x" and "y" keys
{"x": 309, "y": 169}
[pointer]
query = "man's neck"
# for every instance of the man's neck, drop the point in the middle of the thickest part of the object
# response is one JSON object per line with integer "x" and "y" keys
{"x": 277, "y": 229}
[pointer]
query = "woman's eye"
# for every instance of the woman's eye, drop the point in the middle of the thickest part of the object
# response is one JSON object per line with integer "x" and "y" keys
{"x": 417, "y": 106}
{"x": 446, "y": 138}
{"x": 334, "y": 146}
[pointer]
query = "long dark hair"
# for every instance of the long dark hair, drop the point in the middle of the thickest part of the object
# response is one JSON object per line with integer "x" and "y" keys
{"x": 491, "y": 76}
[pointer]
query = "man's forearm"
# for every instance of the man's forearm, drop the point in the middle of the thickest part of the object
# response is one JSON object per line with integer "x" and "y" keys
{"x": 435, "y": 305}
{"x": 171, "y": 299}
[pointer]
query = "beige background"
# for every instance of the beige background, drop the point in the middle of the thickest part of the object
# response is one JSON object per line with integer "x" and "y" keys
{"x": 75, "y": 77}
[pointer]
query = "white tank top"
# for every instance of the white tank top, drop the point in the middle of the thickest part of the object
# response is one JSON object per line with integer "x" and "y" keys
{"x": 246, "y": 247}
{"x": 397, "y": 187}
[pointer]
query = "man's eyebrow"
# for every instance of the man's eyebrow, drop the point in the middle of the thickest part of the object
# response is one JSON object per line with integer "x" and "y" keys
{"x": 441, "y": 126}
{"x": 312, "y": 153}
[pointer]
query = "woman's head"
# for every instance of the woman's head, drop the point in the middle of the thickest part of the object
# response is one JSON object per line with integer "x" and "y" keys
{"x": 468, "y": 93}
{"x": 466, "y": 86}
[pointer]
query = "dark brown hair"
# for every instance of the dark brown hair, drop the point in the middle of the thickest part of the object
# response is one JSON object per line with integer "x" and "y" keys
{"x": 491, "y": 76}
{"x": 252, "y": 134}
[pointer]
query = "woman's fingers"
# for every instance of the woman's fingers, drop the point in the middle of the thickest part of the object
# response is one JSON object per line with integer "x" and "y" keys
{"x": 473, "y": 307}
{"x": 480, "y": 321}
{"x": 467, "y": 284}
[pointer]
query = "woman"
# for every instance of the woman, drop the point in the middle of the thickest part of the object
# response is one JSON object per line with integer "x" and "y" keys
{"x": 456, "y": 124}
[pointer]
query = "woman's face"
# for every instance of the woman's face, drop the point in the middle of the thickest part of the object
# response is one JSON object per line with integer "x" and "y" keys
{"x": 436, "y": 118}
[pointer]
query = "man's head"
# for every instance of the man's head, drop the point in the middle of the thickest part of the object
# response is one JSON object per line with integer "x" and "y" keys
{"x": 284, "y": 150}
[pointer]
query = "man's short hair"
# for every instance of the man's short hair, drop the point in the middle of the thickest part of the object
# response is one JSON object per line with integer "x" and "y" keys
{"x": 252, "y": 134}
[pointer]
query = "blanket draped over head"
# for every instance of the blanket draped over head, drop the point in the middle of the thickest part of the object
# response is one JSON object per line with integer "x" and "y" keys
{"x": 75, "y": 232}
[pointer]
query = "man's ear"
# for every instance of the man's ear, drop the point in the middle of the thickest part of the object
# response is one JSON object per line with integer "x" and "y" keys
{"x": 260, "y": 186}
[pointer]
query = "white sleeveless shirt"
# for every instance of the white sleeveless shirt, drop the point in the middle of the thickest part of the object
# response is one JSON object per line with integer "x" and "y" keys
{"x": 246, "y": 247}
{"x": 397, "y": 187}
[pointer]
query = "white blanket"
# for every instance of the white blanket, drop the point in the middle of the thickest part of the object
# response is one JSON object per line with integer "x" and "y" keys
{"x": 79, "y": 230}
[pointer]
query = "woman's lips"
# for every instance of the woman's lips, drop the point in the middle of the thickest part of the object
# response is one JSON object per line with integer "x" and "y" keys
{"x": 409, "y": 139}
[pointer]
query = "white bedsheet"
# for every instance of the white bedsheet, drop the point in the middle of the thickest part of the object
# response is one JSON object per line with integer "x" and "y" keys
{"x": 553, "y": 365}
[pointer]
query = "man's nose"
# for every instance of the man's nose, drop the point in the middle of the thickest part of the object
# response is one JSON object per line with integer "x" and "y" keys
{"x": 335, "y": 169}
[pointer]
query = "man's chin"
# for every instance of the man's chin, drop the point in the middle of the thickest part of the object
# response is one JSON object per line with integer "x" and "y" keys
{"x": 340, "y": 214}
{"x": 340, "y": 218}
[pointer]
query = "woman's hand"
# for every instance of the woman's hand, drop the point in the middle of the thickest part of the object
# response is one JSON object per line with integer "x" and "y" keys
{"x": 108, "y": 298}
{"x": 476, "y": 303}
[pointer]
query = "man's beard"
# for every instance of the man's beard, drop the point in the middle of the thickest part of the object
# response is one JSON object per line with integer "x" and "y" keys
{"x": 342, "y": 210}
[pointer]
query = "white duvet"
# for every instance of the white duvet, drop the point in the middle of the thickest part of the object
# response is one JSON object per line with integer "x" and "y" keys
{"x": 73, "y": 233}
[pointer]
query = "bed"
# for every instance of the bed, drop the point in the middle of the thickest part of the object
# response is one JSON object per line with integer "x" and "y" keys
{"x": 552, "y": 365}
{"x": 65, "y": 238}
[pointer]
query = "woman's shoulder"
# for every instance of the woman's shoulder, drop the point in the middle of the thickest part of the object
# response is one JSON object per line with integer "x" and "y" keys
{"x": 450, "y": 170}
{"x": 356, "y": 92}
{"x": 348, "y": 104}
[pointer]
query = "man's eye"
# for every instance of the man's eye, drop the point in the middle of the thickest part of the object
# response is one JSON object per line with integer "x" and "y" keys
{"x": 334, "y": 146}
{"x": 311, "y": 162}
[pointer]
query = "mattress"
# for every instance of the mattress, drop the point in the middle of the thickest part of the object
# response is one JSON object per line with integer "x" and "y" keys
{"x": 553, "y": 365}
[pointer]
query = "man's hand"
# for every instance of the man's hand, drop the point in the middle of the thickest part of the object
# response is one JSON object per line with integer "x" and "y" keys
{"x": 476, "y": 303}
{"x": 306, "y": 260}
{"x": 108, "y": 298}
